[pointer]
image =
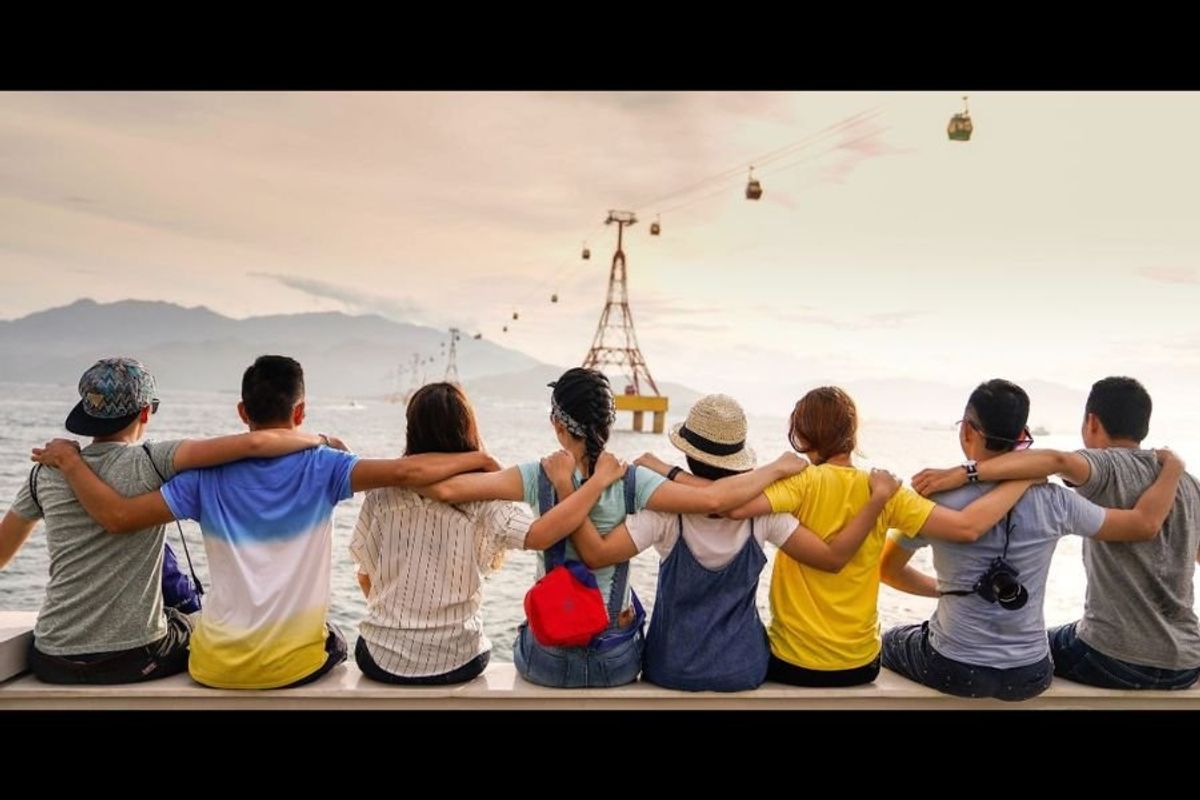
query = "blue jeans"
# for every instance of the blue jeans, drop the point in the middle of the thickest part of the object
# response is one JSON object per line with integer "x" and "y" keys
{"x": 1076, "y": 661}
{"x": 907, "y": 651}
{"x": 577, "y": 667}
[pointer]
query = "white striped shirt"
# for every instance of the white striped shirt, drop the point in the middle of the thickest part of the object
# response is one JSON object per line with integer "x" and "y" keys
{"x": 426, "y": 561}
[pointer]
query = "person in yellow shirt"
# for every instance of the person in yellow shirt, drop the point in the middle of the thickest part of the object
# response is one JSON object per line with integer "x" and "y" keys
{"x": 825, "y": 626}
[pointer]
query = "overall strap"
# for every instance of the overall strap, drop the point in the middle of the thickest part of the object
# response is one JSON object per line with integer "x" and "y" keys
{"x": 616, "y": 594}
{"x": 631, "y": 489}
{"x": 556, "y": 553}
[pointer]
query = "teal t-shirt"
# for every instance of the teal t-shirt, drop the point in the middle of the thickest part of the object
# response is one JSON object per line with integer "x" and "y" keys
{"x": 605, "y": 515}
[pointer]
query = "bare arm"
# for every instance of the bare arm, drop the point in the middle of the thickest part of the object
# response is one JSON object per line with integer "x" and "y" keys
{"x": 503, "y": 485}
{"x": 419, "y": 470}
{"x": 595, "y": 550}
{"x": 1010, "y": 466}
{"x": 601, "y": 551}
{"x": 364, "y": 583}
{"x": 14, "y": 530}
{"x": 656, "y": 464}
{"x": 573, "y": 507}
{"x": 115, "y": 512}
{"x": 270, "y": 443}
{"x": 757, "y": 507}
{"x": 1145, "y": 519}
{"x": 895, "y": 572}
{"x": 830, "y": 555}
{"x": 725, "y": 494}
{"x": 967, "y": 525}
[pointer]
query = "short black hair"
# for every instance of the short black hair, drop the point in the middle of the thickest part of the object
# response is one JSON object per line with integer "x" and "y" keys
{"x": 1002, "y": 409}
{"x": 707, "y": 471}
{"x": 271, "y": 387}
{"x": 1123, "y": 407}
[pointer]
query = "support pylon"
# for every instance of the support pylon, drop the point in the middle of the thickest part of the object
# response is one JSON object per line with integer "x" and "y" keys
{"x": 451, "y": 375}
{"x": 615, "y": 343}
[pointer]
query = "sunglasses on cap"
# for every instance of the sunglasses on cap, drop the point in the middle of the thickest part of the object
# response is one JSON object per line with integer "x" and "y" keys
{"x": 1023, "y": 442}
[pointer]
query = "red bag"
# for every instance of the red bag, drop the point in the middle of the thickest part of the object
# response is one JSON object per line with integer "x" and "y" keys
{"x": 565, "y": 607}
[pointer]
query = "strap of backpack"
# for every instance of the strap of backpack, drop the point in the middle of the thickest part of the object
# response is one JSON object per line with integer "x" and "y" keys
{"x": 33, "y": 473}
{"x": 187, "y": 554}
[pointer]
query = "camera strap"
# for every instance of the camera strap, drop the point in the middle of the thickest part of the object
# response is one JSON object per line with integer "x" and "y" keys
{"x": 187, "y": 554}
{"x": 1004, "y": 555}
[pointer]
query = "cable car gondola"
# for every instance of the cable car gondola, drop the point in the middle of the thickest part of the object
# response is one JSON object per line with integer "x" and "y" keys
{"x": 960, "y": 127}
{"x": 753, "y": 187}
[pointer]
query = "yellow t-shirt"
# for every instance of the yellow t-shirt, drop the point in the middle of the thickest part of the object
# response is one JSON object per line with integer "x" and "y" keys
{"x": 829, "y": 621}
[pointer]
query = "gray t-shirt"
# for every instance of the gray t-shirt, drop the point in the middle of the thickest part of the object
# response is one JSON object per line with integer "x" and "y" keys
{"x": 968, "y": 628}
{"x": 105, "y": 590}
{"x": 1139, "y": 605}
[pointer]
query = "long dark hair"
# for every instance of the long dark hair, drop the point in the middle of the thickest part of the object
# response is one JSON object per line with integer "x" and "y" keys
{"x": 586, "y": 396}
{"x": 441, "y": 420}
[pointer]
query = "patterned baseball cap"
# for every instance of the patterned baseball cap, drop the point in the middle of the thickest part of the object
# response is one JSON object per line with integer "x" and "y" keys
{"x": 112, "y": 394}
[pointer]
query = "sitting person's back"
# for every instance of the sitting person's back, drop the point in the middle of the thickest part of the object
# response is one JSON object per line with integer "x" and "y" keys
{"x": 972, "y": 629}
{"x": 421, "y": 564}
{"x": 267, "y": 528}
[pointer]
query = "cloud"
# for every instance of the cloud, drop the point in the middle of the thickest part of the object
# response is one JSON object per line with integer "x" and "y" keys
{"x": 887, "y": 320}
{"x": 402, "y": 310}
{"x": 1185, "y": 275}
{"x": 859, "y": 143}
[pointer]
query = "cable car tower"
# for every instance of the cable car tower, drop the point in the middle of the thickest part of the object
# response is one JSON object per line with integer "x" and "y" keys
{"x": 616, "y": 345}
{"x": 451, "y": 375}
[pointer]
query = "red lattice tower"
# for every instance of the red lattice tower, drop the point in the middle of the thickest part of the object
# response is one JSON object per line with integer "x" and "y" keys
{"x": 615, "y": 343}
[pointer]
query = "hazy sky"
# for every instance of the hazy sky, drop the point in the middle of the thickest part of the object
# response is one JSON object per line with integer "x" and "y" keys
{"x": 1061, "y": 242}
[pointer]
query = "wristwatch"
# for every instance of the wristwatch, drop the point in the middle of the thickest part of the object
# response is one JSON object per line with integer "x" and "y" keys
{"x": 972, "y": 469}
{"x": 674, "y": 471}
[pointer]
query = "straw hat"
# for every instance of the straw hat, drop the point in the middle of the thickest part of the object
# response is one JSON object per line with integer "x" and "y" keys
{"x": 715, "y": 434}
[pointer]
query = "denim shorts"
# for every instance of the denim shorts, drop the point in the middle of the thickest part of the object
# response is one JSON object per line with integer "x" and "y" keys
{"x": 578, "y": 667}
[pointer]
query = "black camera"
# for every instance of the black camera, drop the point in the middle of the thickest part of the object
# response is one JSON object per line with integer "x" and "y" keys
{"x": 1000, "y": 585}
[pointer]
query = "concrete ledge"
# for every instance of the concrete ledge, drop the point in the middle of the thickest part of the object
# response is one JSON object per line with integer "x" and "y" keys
{"x": 16, "y": 633}
{"x": 501, "y": 688}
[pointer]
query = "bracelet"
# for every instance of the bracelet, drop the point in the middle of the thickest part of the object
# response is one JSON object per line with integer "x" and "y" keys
{"x": 324, "y": 439}
{"x": 674, "y": 471}
{"x": 972, "y": 471}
